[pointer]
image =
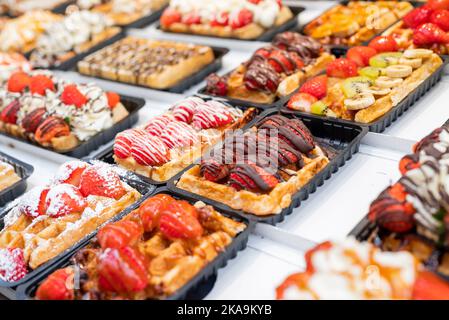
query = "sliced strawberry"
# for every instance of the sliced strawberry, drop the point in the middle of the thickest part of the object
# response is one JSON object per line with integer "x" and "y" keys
{"x": 361, "y": 55}
{"x": 64, "y": 199}
{"x": 33, "y": 203}
{"x": 124, "y": 141}
{"x": 429, "y": 286}
{"x": 251, "y": 177}
{"x": 240, "y": 19}
{"x": 417, "y": 17}
{"x": 9, "y": 113}
{"x": 150, "y": 211}
{"x": 178, "y": 134}
{"x": 438, "y": 4}
{"x": 263, "y": 52}
{"x": 316, "y": 87}
{"x": 113, "y": 99}
{"x": 440, "y": 18}
{"x": 51, "y": 127}
{"x": 214, "y": 171}
{"x": 185, "y": 109}
{"x": 72, "y": 96}
{"x": 428, "y": 34}
{"x": 342, "y": 68}
{"x": 178, "y": 222}
{"x": 297, "y": 59}
{"x": 220, "y": 20}
{"x": 101, "y": 180}
{"x": 217, "y": 85}
{"x": 211, "y": 114}
{"x": 18, "y": 81}
{"x": 58, "y": 286}
{"x": 170, "y": 16}
{"x": 149, "y": 150}
{"x": 39, "y": 84}
{"x": 70, "y": 172}
{"x": 12, "y": 264}
{"x": 309, "y": 254}
{"x": 301, "y": 101}
{"x": 120, "y": 234}
{"x": 122, "y": 270}
{"x": 281, "y": 61}
{"x": 384, "y": 44}
{"x": 191, "y": 18}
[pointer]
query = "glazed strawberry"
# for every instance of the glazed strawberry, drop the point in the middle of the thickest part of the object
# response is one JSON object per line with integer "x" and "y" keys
{"x": 122, "y": 270}
{"x": 9, "y": 113}
{"x": 408, "y": 162}
{"x": 170, "y": 16}
{"x": 113, "y": 99}
{"x": 58, "y": 286}
{"x": 72, "y": 96}
{"x": 281, "y": 61}
{"x": 428, "y": 34}
{"x": 417, "y": 17}
{"x": 301, "y": 101}
{"x": 438, "y": 4}
{"x": 184, "y": 110}
{"x": 342, "y": 68}
{"x": 261, "y": 76}
{"x": 12, "y": 264}
{"x": 251, "y": 177}
{"x": 120, "y": 234}
{"x": 191, "y": 18}
{"x": 39, "y": 84}
{"x": 18, "y": 81}
{"x": 316, "y": 87}
{"x": 32, "y": 120}
{"x": 440, "y": 18}
{"x": 309, "y": 254}
{"x": 429, "y": 286}
{"x": 178, "y": 222}
{"x": 220, "y": 20}
{"x": 51, "y": 127}
{"x": 148, "y": 150}
{"x": 211, "y": 114}
{"x": 70, "y": 172}
{"x": 383, "y": 44}
{"x": 241, "y": 19}
{"x": 361, "y": 55}
{"x": 124, "y": 141}
{"x": 217, "y": 85}
{"x": 101, "y": 180}
{"x": 151, "y": 209}
{"x": 214, "y": 171}
{"x": 263, "y": 53}
{"x": 297, "y": 59}
{"x": 297, "y": 135}
{"x": 33, "y": 203}
{"x": 157, "y": 124}
{"x": 64, "y": 199}
{"x": 179, "y": 134}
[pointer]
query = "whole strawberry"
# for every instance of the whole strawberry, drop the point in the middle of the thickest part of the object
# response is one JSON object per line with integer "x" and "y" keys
{"x": 316, "y": 86}
{"x": 57, "y": 286}
{"x": 342, "y": 68}
{"x": 440, "y": 18}
{"x": 417, "y": 17}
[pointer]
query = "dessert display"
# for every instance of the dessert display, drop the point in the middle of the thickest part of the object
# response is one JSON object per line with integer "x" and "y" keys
{"x": 123, "y": 12}
{"x": 76, "y": 33}
{"x": 8, "y": 175}
{"x": 241, "y": 19}
{"x": 18, "y": 7}
{"x": 50, "y": 219}
{"x": 412, "y": 213}
{"x": 171, "y": 142}
{"x": 21, "y": 34}
{"x": 273, "y": 71}
{"x": 54, "y": 113}
{"x": 356, "y": 22}
{"x": 352, "y": 270}
{"x": 260, "y": 170}
{"x": 149, "y": 254}
{"x": 150, "y": 63}
{"x": 424, "y": 27}
{"x": 367, "y": 83}
{"x": 11, "y": 63}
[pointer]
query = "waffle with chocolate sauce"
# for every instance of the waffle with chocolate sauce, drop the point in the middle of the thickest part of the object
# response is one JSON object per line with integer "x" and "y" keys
{"x": 273, "y": 71}
{"x": 149, "y": 254}
{"x": 260, "y": 170}
{"x": 149, "y": 63}
{"x": 7, "y": 175}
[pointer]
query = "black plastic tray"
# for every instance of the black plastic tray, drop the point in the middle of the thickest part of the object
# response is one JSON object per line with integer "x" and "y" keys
{"x": 345, "y": 138}
{"x": 267, "y": 36}
{"x": 391, "y": 116}
{"x": 185, "y": 83}
{"x": 199, "y": 285}
{"x": 23, "y": 170}
{"x": 146, "y": 20}
{"x": 133, "y": 105}
{"x": 8, "y": 289}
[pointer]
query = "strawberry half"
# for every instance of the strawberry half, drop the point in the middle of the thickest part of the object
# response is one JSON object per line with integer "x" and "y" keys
{"x": 251, "y": 177}
{"x": 58, "y": 286}
{"x": 179, "y": 221}
{"x": 407, "y": 163}
{"x": 361, "y": 55}
{"x": 72, "y": 96}
{"x": 120, "y": 234}
{"x": 32, "y": 120}
{"x": 12, "y": 264}
{"x": 39, "y": 84}
{"x": 9, "y": 113}
{"x": 170, "y": 16}
{"x": 342, "y": 68}
{"x": 220, "y": 20}
{"x": 212, "y": 170}
{"x": 217, "y": 85}
{"x": 301, "y": 101}
{"x": 70, "y": 172}
{"x": 316, "y": 87}
{"x": 428, "y": 34}
{"x": 417, "y": 17}
{"x": 440, "y": 18}
{"x": 18, "y": 81}
{"x": 101, "y": 180}
{"x": 437, "y": 4}
{"x": 149, "y": 150}
{"x": 211, "y": 114}
{"x": 64, "y": 199}
{"x": 150, "y": 210}
{"x": 383, "y": 44}
{"x": 33, "y": 203}
{"x": 124, "y": 141}
{"x": 113, "y": 99}
{"x": 240, "y": 19}
{"x": 191, "y": 18}
{"x": 429, "y": 286}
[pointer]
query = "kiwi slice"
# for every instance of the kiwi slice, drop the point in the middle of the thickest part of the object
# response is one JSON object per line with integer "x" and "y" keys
{"x": 370, "y": 72}
{"x": 385, "y": 59}
{"x": 318, "y": 108}
{"x": 355, "y": 86}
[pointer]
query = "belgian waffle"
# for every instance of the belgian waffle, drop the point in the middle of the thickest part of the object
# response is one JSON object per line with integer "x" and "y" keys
{"x": 7, "y": 175}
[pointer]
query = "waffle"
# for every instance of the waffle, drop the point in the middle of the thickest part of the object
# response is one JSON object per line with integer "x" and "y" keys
{"x": 172, "y": 261}
{"x": 180, "y": 156}
{"x": 356, "y": 22}
{"x": 18, "y": 7}
{"x": 261, "y": 200}
{"x": 44, "y": 237}
{"x": 153, "y": 64}
{"x": 7, "y": 176}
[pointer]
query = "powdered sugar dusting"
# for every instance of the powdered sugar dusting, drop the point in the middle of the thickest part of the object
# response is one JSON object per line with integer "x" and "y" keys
{"x": 12, "y": 264}
{"x": 66, "y": 170}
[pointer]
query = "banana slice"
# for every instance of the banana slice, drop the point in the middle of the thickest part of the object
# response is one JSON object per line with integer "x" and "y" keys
{"x": 414, "y": 63}
{"x": 417, "y": 53}
{"x": 387, "y": 82}
{"x": 378, "y": 91}
{"x": 398, "y": 71}
{"x": 362, "y": 101}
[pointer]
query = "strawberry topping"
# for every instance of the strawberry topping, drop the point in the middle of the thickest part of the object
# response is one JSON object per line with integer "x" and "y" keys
{"x": 120, "y": 234}
{"x": 124, "y": 141}
{"x": 18, "y": 81}
{"x": 316, "y": 87}
{"x": 64, "y": 199}
{"x": 417, "y": 17}
{"x": 179, "y": 134}
{"x": 9, "y": 113}
{"x": 240, "y": 19}
{"x": 179, "y": 221}
{"x": 211, "y": 114}
{"x": 58, "y": 286}
{"x": 72, "y": 96}
{"x": 184, "y": 110}
{"x": 39, "y": 84}
{"x": 70, "y": 172}
{"x": 384, "y": 44}
{"x": 113, "y": 99}
{"x": 361, "y": 55}
{"x": 149, "y": 150}
{"x": 12, "y": 264}
{"x": 170, "y": 16}
{"x": 429, "y": 33}
{"x": 101, "y": 180}
{"x": 33, "y": 203}
{"x": 342, "y": 68}
{"x": 157, "y": 124}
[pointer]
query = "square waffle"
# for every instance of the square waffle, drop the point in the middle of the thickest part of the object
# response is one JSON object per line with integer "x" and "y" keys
{"x": 7, "y": 175}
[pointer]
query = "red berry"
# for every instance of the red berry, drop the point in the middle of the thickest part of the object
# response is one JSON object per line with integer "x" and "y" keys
{"x": 191, "y": 18}
{"x": 316, "y": 86}
{"x": 301, "y": 101}
{"x": 113, "y": 99}
{"x": 438, "y": 4}
{"x": 12, "y": 264}
{"x": 169, "y": 17}
{"x": 120, "y": 234}
{"x": 383, "y": 44}
{"x": 72, "y": 96}
{"x": 150, "y": 211}
{"x": 211, "y": 114}
{"x": 361, "y": 55}
{"x": 428, "y": 34}
{"x": 220, "y": 20}
{"x": 149, "y": 150}
{"x": 101, "y": 180}
{"x": 180, "y": 221}
{"x": 70, "y": 172}
{"x": 64, "y": 199}
{"x": 18, "y": 81}
{"x": 58, "y": 286}
{"x": 9, "y": 114}
{"x": 217, "y": 85}
{"x": 440, "y": 18}
{"x": 417, "y": 17}
{"x": 241, "y": 19}
{"x": 342, "y": 68}
{"x": 33, "y": 203}
{"x": 429, "y": 286}
{"x": 40, "y": 83}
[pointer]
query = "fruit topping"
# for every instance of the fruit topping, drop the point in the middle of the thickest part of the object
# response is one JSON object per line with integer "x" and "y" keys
{"x": 211, "y": 114}
{"x": 438, "y": 4}
{"x": 283, "y": 61}
{"x": 316, "y": 86}
{"x": 383, "y": 60}
{"x": 241, "y": 18}
{"x": 51, "y": 127}
{"x": 398, "y": 71}
{"x": 124, "y": 141}
{"x": 64, "y": 199}
{"x": 185, "y": 109}
{"x": 12, "y": 264}
{"x": 261, "y": 76}
{"x": 191, "y": 18}
{"x": 101, "y": 180}
{"x": 214, "y": 170}
{"x": 361, "y": 55}
{"x": 151, "y": 209}
{"x": 32, "y": 120}
{"x": 370, "y": 72}
{"x": 70, "y": 172}
{"x": 120, "y": 234}
{"x": 157, "y": 124}
{"x": 72, "y": 96}
{"x": 360, "y": 101}
{"x": 440, "y": 18}
{"x": 18, "y": 81}
{"x": 170, "y": 16}
{"x": 249, "y": 176}
{"x": 113, "y": 99}
{"x": 383, "y": 44}
{"x": 9, "y": 113}
{"x": 58, "y": 286}
{"x": 149, "y": 150}
{"x": 217, "y": 85}
{"x": 417, "y": 17}
{"x": 342, "y": 68}
{"x": 408, "y": 162}
{"x": 178, "y": 134}
{"x": 429, "y": 286}
{"x": 429, "y": 33}
{"x": 301, "y": 101}
{"x": 355, "y": 86}
{"x": 33, "y": 203}
{"x": 221, "y": 19}
{"x": 39, "y": 84}
{"x": 180, "y": 221}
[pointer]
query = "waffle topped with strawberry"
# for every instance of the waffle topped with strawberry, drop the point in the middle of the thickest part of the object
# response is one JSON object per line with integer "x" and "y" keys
{"x": 171, "y": 142}
{"x": 55, "y": 113}
{"x": 150, "y": 254}
{"x": 356, "y": 22}
{"x": 52, "y": 218}
{"x": 260, "y": 170}
{"x": 351, "y": 270}
{"x": 412, "y": 213}
{"x": 245, "y": 19}
{"x": 273, "y": 71}
{"x": 424, "y": 27}
{"x": 367, "y": 83}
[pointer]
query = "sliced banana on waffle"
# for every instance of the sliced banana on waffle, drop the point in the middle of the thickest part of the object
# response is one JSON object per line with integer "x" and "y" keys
{"x": 387, "y": 82}
{"x": 361, "y": 101}
{"x": 412, "y": 62}
{"x": 378, "y": 91}
{"x": 398, "y": 71}
{"x": 417, "y": 53}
